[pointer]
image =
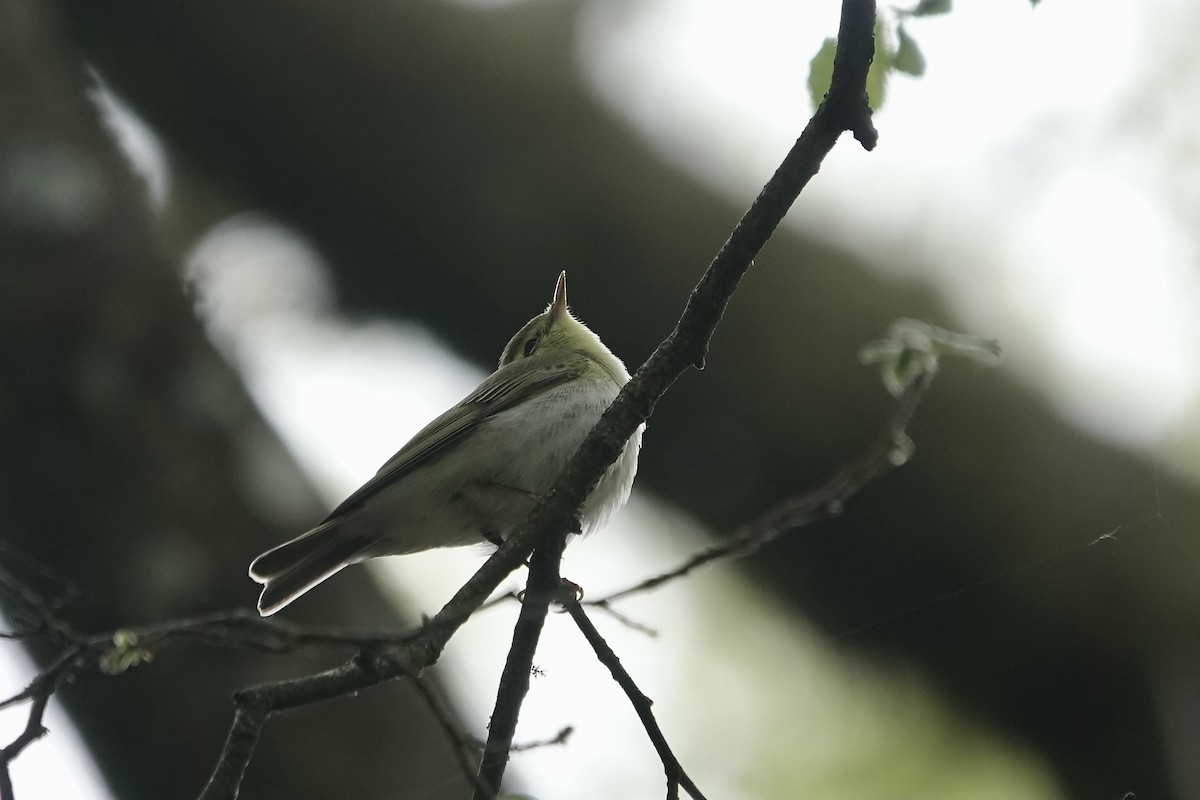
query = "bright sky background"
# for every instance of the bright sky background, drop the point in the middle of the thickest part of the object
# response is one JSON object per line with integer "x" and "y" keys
{"x": 56, "y": 767}
{"x": 1018, "y": 171}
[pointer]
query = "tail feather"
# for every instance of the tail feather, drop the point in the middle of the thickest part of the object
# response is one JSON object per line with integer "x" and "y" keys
{"x": 294, "y": 567}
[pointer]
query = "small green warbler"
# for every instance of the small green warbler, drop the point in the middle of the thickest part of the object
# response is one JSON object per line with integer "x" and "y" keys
{"x": 474, "y": 473}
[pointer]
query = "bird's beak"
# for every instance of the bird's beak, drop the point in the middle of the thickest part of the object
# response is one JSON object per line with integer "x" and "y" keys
{"x": 558, "y": 307}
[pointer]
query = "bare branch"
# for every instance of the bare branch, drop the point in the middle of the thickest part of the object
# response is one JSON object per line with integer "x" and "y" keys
{"x": 253, "y": 706}
{"x": 827, "y": 500}
{"x": 372, "y": 667}
{"x": 605, "y": 606}
{"x": 543, "y": 584}
{"x": 226, "y": 779}
{"x": 558, "y": 738}
{"x": 38, "y": 693}
{"x": 34, "y": 730}
{"x": 39, "y": 613}
{"x": 676, "y": 777}
{"x": 245, "y": 629}
{"x": 464, "y": 746}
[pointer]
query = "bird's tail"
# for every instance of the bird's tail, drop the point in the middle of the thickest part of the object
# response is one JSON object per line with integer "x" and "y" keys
{"x": 294, "y": 567}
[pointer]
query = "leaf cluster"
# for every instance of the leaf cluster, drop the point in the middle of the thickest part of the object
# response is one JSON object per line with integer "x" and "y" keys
{"x": 896, "y": 50}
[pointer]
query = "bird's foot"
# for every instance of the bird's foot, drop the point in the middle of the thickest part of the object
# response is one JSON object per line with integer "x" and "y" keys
{"x": 564, "y": 595}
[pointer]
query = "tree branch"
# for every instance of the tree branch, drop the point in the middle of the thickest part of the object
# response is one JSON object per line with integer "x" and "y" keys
{"x": 39, "y": 614}
{"x": 33, "y": 731}
{"x": 541, "y": 588}
{"x": 38, "y": 693}
{"x": 641, "y": 704}
{"x": 887, "y": 451}
{"x": 459, "y": 740}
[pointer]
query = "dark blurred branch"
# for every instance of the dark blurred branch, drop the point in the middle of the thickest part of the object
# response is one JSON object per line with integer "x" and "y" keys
{"x": 32, "y": 613}
{"x": 242, "y": 628}
{"x": 465, "y": 747}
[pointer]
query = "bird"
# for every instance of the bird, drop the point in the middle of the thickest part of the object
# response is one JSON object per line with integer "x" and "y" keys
{"x": 473, "y": 474}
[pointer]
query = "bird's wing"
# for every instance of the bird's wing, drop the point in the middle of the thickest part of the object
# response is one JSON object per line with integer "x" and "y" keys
{"x": 504, "y": 388}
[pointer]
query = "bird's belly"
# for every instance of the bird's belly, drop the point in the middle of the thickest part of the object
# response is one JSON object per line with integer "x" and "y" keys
{"x": 486, "y": 485}
{"x": 529, "y": 446}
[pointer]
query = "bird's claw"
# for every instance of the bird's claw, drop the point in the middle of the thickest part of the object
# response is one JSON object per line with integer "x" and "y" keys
{"x": 568, "y": 593}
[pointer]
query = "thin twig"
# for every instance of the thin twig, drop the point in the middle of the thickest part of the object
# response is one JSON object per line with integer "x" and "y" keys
{"x": 676, "y": 776}
{"x": 605, "y": 606}
{"x": 38, "y": 692}
{"x": 827, "y": 500}
{"x": 245, "y": 629}
{"x": 499, "y": 600}
{"x": 30, "y": 603}
{"x": 34, "y": 730}
{"x": 462, "y": 744}
{"x": 558, "y": 738}
{"x": 252, "y": 708}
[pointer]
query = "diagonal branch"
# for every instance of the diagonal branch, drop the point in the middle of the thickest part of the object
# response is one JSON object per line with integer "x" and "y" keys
{"x": 676, "y": 777}
{"x": 887, "y": 451}
{"x": 34, "y": 614}
{"x": 462, "y": 744}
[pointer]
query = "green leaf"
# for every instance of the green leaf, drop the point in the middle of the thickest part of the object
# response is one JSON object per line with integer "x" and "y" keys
{"x": 883, "y": 63}
{"x": 909, "y": 58}
{"x": 124, "y": 654}
{"x": 913, "y": 348}
{"x": 820, "y": 71}
{"x": 929, "y": 8}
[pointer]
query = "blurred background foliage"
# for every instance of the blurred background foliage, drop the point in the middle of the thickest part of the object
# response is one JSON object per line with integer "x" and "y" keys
{"x": 446, "y": 161}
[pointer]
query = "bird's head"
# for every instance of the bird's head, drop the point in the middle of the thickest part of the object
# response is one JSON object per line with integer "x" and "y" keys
{"x": 555, "y": 332}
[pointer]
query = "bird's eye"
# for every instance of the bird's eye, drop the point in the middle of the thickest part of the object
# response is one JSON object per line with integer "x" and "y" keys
{"x": 531, "y": 345}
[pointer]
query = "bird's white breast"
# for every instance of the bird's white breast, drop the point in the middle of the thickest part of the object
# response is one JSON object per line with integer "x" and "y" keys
{"x": 489, "y": 483}
{"x": 528, "y": 446}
